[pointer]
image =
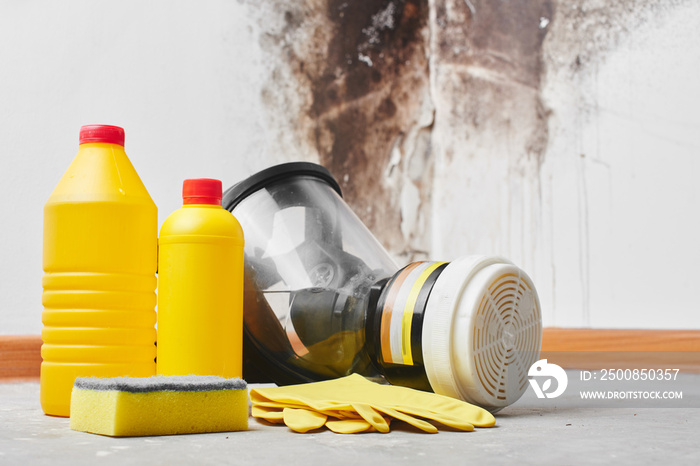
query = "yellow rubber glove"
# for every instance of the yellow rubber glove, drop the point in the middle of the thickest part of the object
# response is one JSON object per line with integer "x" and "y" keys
{"x": 349, "y": 426}
{"x": 276, "y": 413}
{"x": 371, "y": 401}
{"x": 304, "y": 420}
{"x": 360, "y": 419}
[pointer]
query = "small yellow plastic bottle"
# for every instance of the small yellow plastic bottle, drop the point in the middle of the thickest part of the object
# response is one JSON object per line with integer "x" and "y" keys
{"x": 200, "y": 286}
{"x": 100, "y": 240}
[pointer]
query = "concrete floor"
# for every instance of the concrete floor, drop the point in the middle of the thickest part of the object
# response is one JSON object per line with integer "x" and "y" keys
{"x": 558, "y": 435}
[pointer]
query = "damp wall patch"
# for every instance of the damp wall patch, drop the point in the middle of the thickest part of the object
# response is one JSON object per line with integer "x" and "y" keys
{"x": 463, "y": 126}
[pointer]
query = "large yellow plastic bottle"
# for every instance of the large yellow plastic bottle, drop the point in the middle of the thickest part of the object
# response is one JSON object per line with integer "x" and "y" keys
{"x": 200, "y": 286}
{"x": 100, "y": 249}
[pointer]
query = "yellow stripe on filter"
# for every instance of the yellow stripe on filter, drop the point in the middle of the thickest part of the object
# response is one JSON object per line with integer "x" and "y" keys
{"x": 398, "y": 306}
{"x": 406, "y": 352}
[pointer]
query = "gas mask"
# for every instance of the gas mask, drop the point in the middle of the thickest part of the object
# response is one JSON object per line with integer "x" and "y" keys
{"x": 323, "y": 299}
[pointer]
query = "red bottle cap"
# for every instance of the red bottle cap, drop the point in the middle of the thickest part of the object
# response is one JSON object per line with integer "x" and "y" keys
{"x": 102, "y": 133}
{"x": 201, "y": 191}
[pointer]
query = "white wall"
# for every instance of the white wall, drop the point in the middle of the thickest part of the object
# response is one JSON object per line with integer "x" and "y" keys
{"x": 606, "y": 221}
{"x": 182, "y": 78}
{"x": 621, "y": 178}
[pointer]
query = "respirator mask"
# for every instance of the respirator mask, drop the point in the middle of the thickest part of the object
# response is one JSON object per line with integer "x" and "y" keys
{"x": 323, "y": 299}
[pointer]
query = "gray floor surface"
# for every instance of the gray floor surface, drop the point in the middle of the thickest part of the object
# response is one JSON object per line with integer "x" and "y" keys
{"x": 554, "y": 435}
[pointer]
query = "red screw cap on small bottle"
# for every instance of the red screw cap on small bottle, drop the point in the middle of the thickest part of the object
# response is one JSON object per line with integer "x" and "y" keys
{"x": 102, "y": 133}
{"x": 201, "y": 191}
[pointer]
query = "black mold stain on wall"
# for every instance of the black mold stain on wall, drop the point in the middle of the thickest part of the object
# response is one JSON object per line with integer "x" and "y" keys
{"x": 502, "y": 35}
{"x": 366, "y": 95}
{"x": 352, "y": 78}
{"x": 348, "y": 79}
{"x": 493, "y": 53}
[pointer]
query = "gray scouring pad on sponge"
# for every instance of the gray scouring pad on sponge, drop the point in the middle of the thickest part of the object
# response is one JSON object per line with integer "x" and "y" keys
{"x": 159, "y": 405}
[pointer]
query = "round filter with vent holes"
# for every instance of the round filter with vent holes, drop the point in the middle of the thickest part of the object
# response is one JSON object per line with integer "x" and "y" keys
{"x": 482, "y": 331}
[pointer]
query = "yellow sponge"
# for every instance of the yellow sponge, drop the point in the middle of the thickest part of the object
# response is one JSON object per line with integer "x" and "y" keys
{"x": 159, "y": 405}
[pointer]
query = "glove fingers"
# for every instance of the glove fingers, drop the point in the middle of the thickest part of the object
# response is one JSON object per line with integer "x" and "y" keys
{"x": 301, "y": 395}
{"x": 451, "y": 409}
{"x": 348, "y": 426}
{"x": 276, "y": 405}
{"x": 479, "y": 417}
{"x": 303, "y": 420}
{"x": 372, "y": 417}
{"x": 419, "y": 423}
{"x": 344, "y": 414}
{"x": 430, "y": 405}
{"x": 271, "y": 415}
{"x": 450, "y": 421}
{"x": 457, "y": 410}
{"x": 340, "y": 396}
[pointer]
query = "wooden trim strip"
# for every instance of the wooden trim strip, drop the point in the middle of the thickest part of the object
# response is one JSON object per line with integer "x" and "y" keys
{"x": 20, "y": 358}
{"x": 594, "y": 349}
{"x": 589, "y": 339}
{"x": 20, "y": 355}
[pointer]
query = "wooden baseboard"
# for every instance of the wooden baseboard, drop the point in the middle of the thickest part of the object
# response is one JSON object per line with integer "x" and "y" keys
{"x": 594, "y": 349}
{"x": 20, "y": 355}
{"x": 590, "y": 339}
{"x": 20, "y": 358}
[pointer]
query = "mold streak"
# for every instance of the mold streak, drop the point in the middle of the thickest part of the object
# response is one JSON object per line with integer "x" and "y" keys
{"x": 358, "y": 76}
{"x": 443, "y": 121}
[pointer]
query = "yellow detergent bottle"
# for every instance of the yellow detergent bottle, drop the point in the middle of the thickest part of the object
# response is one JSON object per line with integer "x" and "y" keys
{"x": 200, "y": 286}
{"x": 100, "y": 249}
